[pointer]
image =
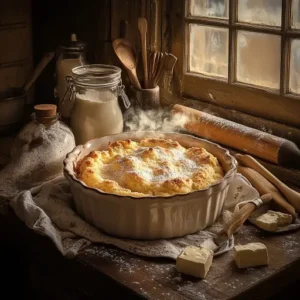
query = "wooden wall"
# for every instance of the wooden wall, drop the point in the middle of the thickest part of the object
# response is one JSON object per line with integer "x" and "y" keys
{"x": 15, "y": 43}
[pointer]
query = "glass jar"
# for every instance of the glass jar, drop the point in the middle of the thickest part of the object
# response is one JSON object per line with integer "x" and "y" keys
{"x": 70, "y": 55}
{"x": 94, "y": 90}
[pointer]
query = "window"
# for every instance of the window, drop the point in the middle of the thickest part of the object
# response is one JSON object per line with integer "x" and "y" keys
{"x": 243, "y": 54}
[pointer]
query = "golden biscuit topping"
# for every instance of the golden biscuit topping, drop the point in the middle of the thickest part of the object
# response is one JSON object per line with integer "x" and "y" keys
{"x": 150, "y": 167}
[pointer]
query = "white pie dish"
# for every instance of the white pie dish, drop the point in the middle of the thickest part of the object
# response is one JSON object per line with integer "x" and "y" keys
{"x": 149, "y": 217}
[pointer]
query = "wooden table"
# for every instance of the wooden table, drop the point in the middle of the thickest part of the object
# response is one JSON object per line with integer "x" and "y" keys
{"x": 106, "y": 270}
{"x": 160, "y": 280}
{"x": 102, "y": 269}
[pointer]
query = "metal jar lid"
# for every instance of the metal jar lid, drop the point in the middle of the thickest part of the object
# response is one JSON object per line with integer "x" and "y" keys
{"x": 73, "y": 44}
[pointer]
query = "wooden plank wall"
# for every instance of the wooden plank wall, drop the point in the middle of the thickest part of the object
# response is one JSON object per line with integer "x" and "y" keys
{"x": 16, "y": 43}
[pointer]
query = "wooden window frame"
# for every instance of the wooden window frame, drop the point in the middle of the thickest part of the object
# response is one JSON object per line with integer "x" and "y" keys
{"x": 280, "y": 106}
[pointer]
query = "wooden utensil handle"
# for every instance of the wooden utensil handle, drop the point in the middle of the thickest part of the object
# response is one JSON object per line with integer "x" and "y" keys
{"x": 292, "y": 196}
{"x": 144, "y": 57}
{"x": 134, "y": 80}
{"x": 242, "y": 215}
{"x": 143, "y": 27}
{"x": 263, "y": 186}
{"x": 38, "y": 70}
{"x": 256, "y": 142}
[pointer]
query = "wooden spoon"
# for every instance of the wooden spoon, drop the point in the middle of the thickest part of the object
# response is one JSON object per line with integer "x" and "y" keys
{"x": 142, "y": 25}
{"x": 292, "y": 196}
{"x": 127, "y": 57}
{"x": 38, "y": 70}
{"x": 263, "y": 186}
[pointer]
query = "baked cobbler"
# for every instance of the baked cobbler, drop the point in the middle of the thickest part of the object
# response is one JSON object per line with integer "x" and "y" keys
{"x": 149, "y": 167}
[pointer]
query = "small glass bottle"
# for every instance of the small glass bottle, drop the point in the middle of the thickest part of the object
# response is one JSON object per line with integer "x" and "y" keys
{"x": 96, "y": 112}
{"x": 70, "y": 55}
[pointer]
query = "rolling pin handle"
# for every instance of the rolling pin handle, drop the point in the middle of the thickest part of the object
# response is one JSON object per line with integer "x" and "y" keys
{"x": 289, "y": 155}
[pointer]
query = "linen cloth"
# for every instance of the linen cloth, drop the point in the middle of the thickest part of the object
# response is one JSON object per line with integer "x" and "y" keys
{"x": 48, "y": 209}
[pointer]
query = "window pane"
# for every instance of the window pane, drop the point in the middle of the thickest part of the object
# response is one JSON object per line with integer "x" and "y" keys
{"x": 296, "y": 14}
{"x": 209, "y": 8}
{"x": 208, "y": 50}
{"x": 267, "y": 12}
{"x": 295, "y": 67}
{"x": 258, "y": 59}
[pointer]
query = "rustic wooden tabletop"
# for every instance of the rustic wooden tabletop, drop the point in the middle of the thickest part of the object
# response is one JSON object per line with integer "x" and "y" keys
{"x": 158, "y": 279}
{"x": 100, "y": 267}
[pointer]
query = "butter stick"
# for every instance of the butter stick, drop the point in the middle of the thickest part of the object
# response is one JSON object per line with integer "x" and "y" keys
{"x": 194, "y": 261}
{"x": 251, "y": 255}
{"x": 272, "y": 220}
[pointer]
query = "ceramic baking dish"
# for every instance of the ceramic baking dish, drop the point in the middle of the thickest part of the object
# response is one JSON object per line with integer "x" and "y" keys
{"x": 149, "y": 217}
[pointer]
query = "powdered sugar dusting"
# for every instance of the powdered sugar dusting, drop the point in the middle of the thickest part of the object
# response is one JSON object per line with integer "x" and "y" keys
{"x": 183, "y": 166}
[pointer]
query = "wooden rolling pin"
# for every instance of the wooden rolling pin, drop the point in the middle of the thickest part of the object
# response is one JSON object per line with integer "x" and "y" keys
{"x": 292, "y": 196}
{"x": 261, "y": 144}
{"x": 263, "y": 186}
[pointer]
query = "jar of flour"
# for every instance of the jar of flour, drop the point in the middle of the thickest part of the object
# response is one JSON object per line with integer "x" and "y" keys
{"x": 95, "y": 91}
{"x": 70, "y": 55}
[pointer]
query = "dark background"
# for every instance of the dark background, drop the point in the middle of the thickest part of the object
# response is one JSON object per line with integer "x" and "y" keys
{"x": 52, "y": 23}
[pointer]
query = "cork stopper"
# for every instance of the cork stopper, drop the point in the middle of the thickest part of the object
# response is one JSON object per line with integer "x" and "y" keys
{"x": 45, "y": 110}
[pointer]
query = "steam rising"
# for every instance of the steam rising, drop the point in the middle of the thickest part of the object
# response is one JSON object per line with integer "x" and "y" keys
{"x": 153, "y": 120}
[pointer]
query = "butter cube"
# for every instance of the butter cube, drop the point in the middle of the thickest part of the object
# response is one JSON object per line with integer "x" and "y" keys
{"x": 251, "y": 255}
{"x": 271, "y": 220}
{"x": 194, "y": 261}
{"x": 282, "y": 218}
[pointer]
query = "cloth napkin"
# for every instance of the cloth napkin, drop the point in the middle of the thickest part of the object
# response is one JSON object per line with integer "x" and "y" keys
{"x": 48, "y": 209}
